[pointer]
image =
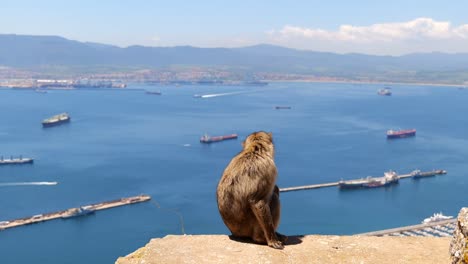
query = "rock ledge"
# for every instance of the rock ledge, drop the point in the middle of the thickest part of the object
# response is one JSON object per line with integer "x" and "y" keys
{"x": 459, "y": 243}
{"x": 307, "y": 249}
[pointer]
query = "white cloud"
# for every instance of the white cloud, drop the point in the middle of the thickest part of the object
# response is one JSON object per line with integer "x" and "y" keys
{"x": 418, "y": 35}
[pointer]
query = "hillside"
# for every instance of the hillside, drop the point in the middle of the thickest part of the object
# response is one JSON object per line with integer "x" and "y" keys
{"x": 39, "y": 52}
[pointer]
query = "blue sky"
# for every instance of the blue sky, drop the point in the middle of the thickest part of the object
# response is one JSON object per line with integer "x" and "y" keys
{"x": 374, "y": 27}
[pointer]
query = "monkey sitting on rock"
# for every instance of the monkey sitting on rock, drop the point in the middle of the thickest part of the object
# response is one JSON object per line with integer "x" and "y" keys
{"x": 247, "y": 195}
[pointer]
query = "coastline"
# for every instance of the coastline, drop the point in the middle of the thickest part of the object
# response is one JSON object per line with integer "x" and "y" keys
{"x": 368, "y": 82}
{"x": 267, "y": 81}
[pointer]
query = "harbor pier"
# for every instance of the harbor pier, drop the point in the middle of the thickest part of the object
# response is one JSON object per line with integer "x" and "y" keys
{"x": 442, "y": 228}
{"x": 415, "y": 174}
{"x": 66, "y": 213}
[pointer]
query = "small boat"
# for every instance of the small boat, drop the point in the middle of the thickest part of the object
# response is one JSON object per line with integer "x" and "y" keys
{"x": 385, "y": 91}
{"x": 208, "y": 139}
{"x": 197, "y": 96}
{"x": 154, "y": 92}
{"x": 12, "y": 161}
{"x": 75, "y": 212}
{"x": 282, "y": 107}
{"x": 437, "y": 217}
{"x": 56, "y": 120}
{"x": 401, "y": 133}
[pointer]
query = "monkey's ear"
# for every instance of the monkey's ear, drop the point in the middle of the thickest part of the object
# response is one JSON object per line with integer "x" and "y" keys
{"x": 243, "y": 144}
{"x": 270, "y": 134}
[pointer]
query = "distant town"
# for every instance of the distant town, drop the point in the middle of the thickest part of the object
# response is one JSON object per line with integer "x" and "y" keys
{"x": 15, "y": 78}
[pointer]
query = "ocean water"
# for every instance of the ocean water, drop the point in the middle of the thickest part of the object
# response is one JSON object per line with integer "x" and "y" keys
{"x": 124, "y": 142}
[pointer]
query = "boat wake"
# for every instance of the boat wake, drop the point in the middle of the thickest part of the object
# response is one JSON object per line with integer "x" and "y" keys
{"x": 26, "y": 183}
{"x": 217, "y": 95}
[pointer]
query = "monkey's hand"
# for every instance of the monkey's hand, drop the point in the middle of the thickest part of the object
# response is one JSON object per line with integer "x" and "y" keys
{"x": 276, "y": 244}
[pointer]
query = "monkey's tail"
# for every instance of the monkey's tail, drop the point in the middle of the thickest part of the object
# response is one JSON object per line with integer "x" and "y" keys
{"x": 175, "y": 211}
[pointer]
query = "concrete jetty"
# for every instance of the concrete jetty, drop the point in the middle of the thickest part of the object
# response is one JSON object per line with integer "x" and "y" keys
{"x": 331, "y": 184}
{"x": 306, "y": 187}
{"x": 442, "y": 228}
{"x": 64, "y": 213}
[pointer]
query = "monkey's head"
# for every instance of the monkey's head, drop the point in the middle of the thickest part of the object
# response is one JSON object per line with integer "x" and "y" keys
{"x": 259, "y": 141}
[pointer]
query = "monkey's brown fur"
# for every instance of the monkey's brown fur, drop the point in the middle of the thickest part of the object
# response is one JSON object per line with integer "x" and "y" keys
{"x": 248, "y": 198}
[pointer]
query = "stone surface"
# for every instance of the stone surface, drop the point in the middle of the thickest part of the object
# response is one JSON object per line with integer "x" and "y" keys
{"x": 459, "y": 243}
{"x": 307, "y": 249}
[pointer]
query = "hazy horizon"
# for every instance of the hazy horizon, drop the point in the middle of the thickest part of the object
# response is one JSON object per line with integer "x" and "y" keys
{"x": 365, "y": 27}
{"x": 226, "y": 47}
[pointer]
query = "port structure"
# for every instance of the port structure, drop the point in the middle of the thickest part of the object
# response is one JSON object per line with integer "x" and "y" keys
{"x": 442, "y": 228}
{"x": 331, "y": 184}
{"x": 64, "y": 213}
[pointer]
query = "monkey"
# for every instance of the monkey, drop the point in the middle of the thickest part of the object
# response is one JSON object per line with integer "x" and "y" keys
{"x": 247, "y": 194}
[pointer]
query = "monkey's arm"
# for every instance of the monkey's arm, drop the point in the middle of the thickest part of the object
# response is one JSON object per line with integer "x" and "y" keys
{"x": 262, "y": 212}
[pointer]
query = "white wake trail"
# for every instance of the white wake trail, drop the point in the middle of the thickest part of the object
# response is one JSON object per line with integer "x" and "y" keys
{"x": 220, "y": 94}
{"x": 27, "y": 183}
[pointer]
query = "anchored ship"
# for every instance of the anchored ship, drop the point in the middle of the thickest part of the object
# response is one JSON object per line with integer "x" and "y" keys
{"x": 436, "y": 218}
{"x": 56, "y": 120}
{"x": 154, "y": 92}
{"x": 207, "y": 139}
{"x": 75, "y": 212}
{"x": 416, "y": 174}
{"x": 389, "y": 178}
{"x": 40, "y": 91}
{"x": 353, "y": 184}
{"x": 401, "y": 133}
{"x": 282, "y": 107}
{"x": 12, "y": 160}
{"x": 385, "y": 91}
{"x": 255, "y": 83}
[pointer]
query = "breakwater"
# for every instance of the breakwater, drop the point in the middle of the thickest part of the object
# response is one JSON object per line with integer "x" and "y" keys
{"x": 414, "y": 175}
{"x": 442, "y": 228}
{"x": 64, "y": 213}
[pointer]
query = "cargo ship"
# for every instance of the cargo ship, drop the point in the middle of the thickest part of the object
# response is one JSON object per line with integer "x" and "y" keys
{"x": 12, "y": 161}
{"x": 255, "y": 83}
{"x": 40, "y": 91}
{"x": 207, "y": 139}
{"x": 389, "y": 178}
{"x": 385, "y": 91}
{"x": 401, "y": 133}
{"x": 282, "y": 107}
{"x": 353, "y": 184}
{"x": 416, "y": 174}
{"x": 154, "y": 92}
{"x": 56, "y": 120}
{"x": 381, "y": 182}
{"x": 75, "y": 212}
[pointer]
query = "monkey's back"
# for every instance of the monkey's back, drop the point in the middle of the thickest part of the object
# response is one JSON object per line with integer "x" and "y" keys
{"x": 250, "y": 176}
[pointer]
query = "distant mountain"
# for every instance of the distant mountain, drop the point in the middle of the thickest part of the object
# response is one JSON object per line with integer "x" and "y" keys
{"x": 38, "y": 51}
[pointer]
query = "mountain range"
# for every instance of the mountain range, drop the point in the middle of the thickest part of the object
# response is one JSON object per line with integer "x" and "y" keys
{"x": 34, "y": 52}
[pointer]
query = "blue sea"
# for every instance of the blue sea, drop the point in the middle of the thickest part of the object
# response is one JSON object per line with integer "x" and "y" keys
{"x": 124, "y": 142}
